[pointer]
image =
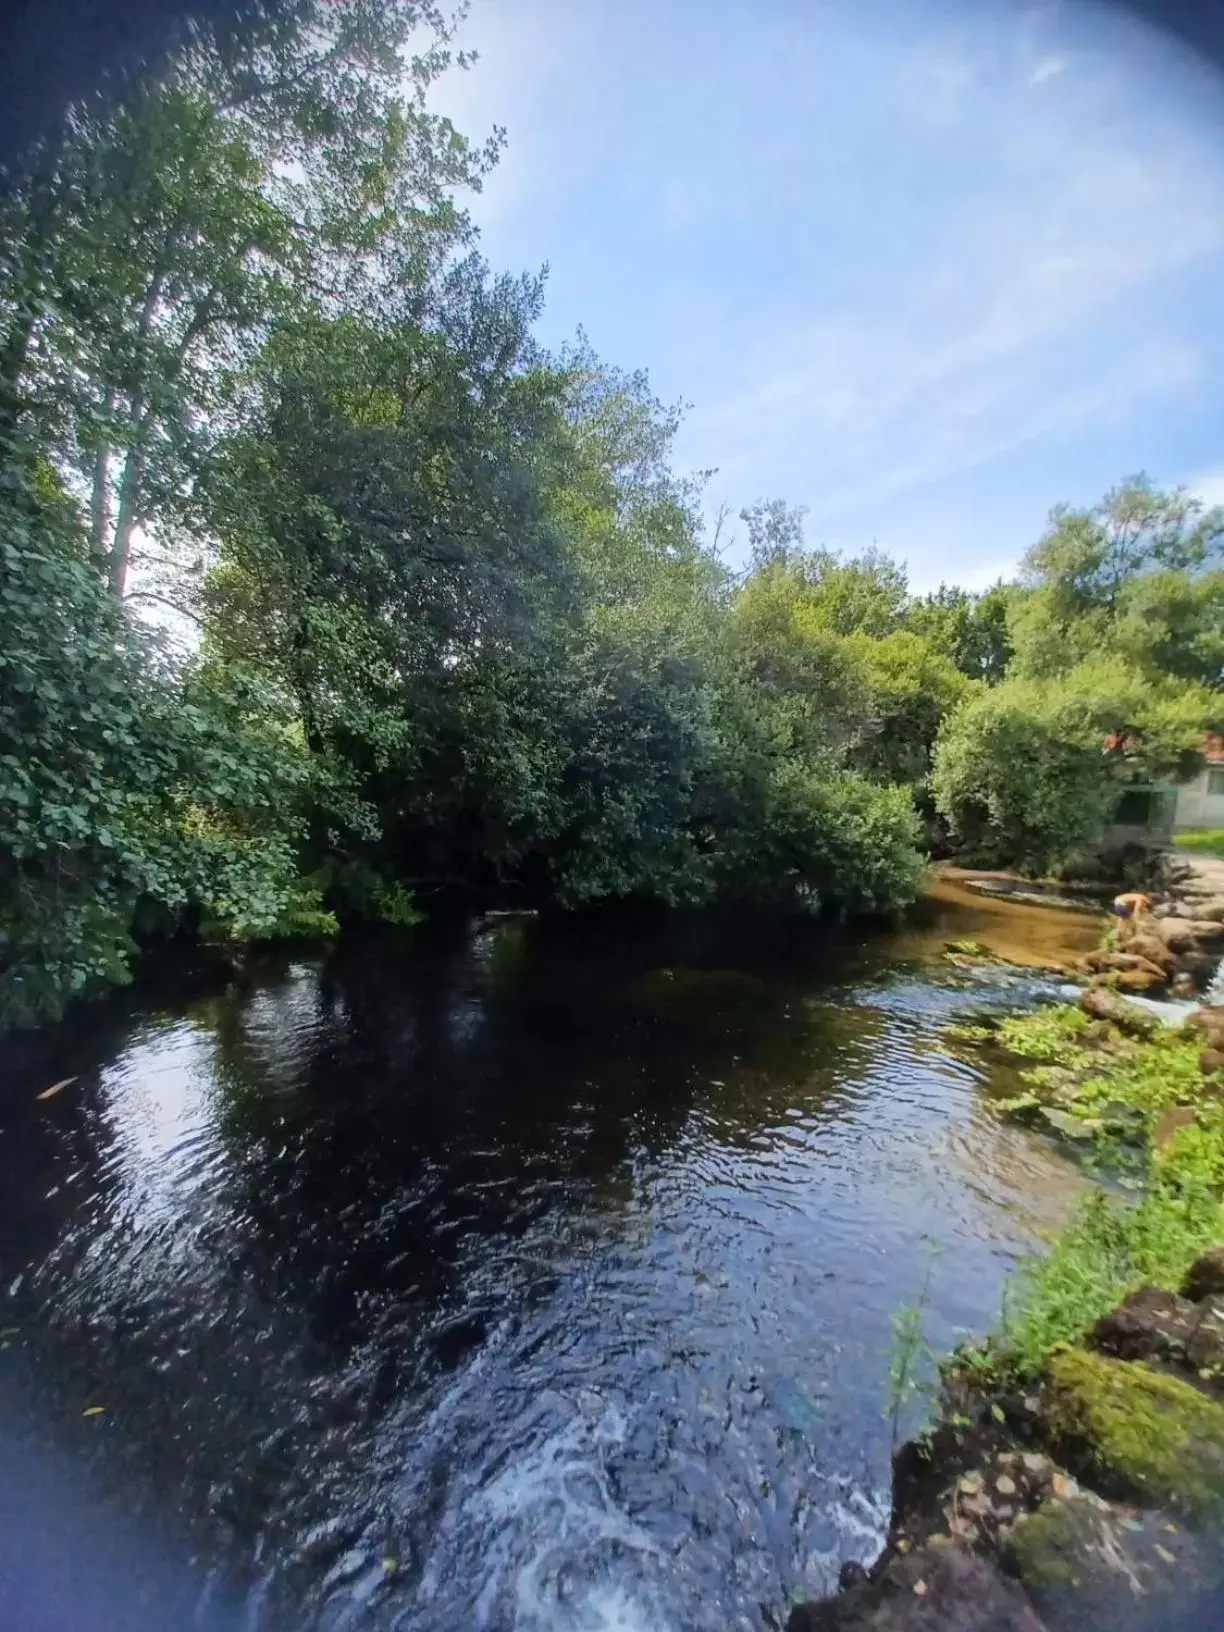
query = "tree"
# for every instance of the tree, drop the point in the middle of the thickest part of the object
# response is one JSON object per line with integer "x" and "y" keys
{"x": 1097, "y": 576}
{"x": 159, "y": 236}
{"x": 910, "y": 688}
{"x": 969, "y": 629}
{"x": 1028, "y": 773}
{"x": 131, "y": 791}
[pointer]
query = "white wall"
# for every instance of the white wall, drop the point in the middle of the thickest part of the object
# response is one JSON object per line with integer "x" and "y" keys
{"x": 1196, "y": 805}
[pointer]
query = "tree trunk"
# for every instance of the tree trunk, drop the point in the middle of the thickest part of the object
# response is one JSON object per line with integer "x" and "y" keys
{"x": 125, "y": 523}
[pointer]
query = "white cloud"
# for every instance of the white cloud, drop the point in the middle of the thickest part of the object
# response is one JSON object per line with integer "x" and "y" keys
{"x": 978, "y": 355}
{"x": 1209, "y": 486}
{"x": 1048, "y": 68}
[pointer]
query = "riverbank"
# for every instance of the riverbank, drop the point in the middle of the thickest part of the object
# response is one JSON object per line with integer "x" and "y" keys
{"x": 1074, "y": 1473}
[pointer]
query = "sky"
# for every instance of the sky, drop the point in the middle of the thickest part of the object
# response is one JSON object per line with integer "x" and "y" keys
{"x": 924, "y": 268}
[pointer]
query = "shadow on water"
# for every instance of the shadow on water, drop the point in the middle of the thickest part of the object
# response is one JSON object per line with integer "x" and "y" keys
{"x": 512, "y": 1274}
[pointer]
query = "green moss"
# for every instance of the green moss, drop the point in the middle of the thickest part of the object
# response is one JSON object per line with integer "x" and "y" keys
{"x": 1153, "y": 1434}
{"x": 1044, "y": 1543}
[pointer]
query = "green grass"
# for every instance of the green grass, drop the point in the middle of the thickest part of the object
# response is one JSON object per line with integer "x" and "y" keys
{"x": 1110, "y": 1248}
{"x": 1206, "y": 841}
{"x": 1111, "y": 1093}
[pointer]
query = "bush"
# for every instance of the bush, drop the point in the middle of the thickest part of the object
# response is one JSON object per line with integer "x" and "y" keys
{"x": 126, "y": 784}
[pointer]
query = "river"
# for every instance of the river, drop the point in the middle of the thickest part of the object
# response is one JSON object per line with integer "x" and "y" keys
{"x": 517, "y": 1274}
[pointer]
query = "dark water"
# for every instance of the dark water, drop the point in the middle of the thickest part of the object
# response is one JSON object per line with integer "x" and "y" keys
{"x": 524, "y": 1276}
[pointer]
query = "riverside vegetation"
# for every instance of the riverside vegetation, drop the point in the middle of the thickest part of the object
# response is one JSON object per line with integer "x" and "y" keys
{"x": 1074, "y": 1469}
{"x": 457, "y": 626}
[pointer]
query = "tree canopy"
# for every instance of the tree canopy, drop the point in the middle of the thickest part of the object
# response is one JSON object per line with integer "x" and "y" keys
{"x": 458, "y": 627}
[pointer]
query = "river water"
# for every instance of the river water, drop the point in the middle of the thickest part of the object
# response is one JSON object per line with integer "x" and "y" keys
{"x": 516, "y": 1274}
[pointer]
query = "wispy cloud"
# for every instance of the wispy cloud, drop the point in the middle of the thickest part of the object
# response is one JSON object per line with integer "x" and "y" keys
{"x": 1209, "y": 486}
{"x": 1048, "y": 68}
{"x": 980, "y": 354}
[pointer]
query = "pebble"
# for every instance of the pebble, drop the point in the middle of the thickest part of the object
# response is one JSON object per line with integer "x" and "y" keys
{"x": 1005, "y": 1485}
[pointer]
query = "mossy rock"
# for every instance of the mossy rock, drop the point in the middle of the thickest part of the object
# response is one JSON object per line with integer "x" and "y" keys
{"x": 1081, "y": 1561}
{"x": 1137, "y": 1431}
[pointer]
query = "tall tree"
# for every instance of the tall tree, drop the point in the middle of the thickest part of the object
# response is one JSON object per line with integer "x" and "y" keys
{"x": 157, "y": 238}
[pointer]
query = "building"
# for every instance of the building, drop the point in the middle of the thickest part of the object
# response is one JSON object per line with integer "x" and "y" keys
{"x": 1200, "y": 802}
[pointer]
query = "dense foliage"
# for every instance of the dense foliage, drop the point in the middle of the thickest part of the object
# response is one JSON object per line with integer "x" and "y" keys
{"x": 438, "y": 613}
{"x": 1116, "y": 662}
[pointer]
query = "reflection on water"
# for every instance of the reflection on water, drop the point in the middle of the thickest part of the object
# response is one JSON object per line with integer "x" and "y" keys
{"x": 534, "y": 1275}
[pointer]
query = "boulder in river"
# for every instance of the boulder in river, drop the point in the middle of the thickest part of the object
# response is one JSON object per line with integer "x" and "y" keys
{"x": 1103, "y": 959}
{"x": 1103, "y": 1004}
{"x": 1151, "y": 948}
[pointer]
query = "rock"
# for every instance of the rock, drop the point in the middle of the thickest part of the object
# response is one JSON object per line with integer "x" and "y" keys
{"x": 1104, "y": 958}
{"x": 1140, "y": 1433}
{"x": 1205, "y": 1345}
{"x": 1211, "y": 1059}
{"x": 932, "y": 1589}
{"x": 1212, "y": 907}
{"x": 1169, "y": 1122}
{"x": 1187, "y": 934}
{"x": 1208, "y": 1021}
{"x": 1205, "y": 1276}
{"x": 1103, "y": 1004}
{"x": 1151, "y": 949}
{"x": 1149, "y": 1323}
{"x": 1135, "y": 980}
{"x": 1160, "y": 1326}
{"x": 1080, "y": 1562}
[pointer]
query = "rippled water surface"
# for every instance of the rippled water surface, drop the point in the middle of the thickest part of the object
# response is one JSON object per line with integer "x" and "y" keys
{"x": 518, "y": 1275}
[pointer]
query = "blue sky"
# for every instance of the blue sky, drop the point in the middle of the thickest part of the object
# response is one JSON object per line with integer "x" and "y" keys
{"x": 924, "y": 268}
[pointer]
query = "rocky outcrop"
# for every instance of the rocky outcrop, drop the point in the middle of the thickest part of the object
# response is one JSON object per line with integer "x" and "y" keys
{"x": 1163, "y": 1327}
{"x": 991, "y": 1532}
{"x": 935, "y": 1589}
{"x": 1205, "y": 1277}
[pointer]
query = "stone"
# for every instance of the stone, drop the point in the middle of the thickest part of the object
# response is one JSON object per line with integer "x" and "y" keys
{"x": 1152, "y": 950}
{"x": 1150, "y": 1323}
{"x": 1139, "y": 1433}
{"x": 1205, "y": 1345}
{"x": 1082, "y": 1563}
{"x": 1208, "y": 1019}
{"x": 1205, "y": 1276}
{"x": 1211, "y": 1060}
{"x": 1103, "y": 958}
{"x": 1103, "y": 1004}
{"x": 1169, "y": 1122}
{"x": 931, "y": 1589}
{"x": 1187, "y": 933}
{"x": 1136, "y": 980}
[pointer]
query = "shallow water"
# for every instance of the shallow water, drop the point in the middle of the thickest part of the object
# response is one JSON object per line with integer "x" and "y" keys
{"x": 519, "y": 1275}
